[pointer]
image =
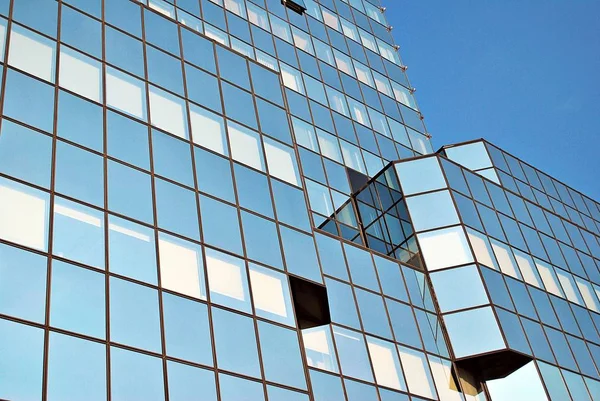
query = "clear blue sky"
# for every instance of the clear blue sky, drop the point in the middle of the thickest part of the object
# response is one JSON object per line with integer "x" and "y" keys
{"x": 523, "y": 74}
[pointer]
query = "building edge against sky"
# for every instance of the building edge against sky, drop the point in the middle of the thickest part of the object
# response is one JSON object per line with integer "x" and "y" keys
{"x": 237, "y": 200}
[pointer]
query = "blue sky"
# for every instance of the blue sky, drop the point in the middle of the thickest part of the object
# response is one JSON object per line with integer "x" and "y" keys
{"x": 523, "y": 74}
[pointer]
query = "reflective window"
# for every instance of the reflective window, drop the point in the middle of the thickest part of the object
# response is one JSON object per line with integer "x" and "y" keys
{"x": 443, "y": 248}
{"x": 403, "y": 322}
{"x": 124, "y": 51}
{"x": 187, "y": 382}
{"x": 168, "y": 112}
{"x": 208, "y": 130}
{"x": 276, "y": 341}
{"x": 237, "y": 389}
{"x": 341, "y": 303}
{"x": 525, "y": 382}
{"x": 373, "y": 313}
{"x": 77, "y": 299}
{"x": 282, "y": 163}
{"x": 432, "y": 210}
{"x": 482, "y": 249}
{"x": 78, "y": 233}
{"x": 239, "y": 105}
{"x": 271, "y": 296}
{"x": 318, "y": 347}
{"x": 80, "y": 74}
{"x": 172, "y": 158}
{"x": 25, "y": 154}
{"x": 176, "y": 209}
{"x": 385, "y": 364}
{"x": 125, "y": 93}
{"x": 127, "y": 140}
{"x": 352, "y": 352}
{"x": 290, "y": 205}
{"x": 80, "y": 121}
{"x": 22, "y": 350}
{"x": 300, "y": 254}
{"x": 135, "y": 376}
{"x": 23, "y": 278}
{"x": 181, "y": 267}
{"x": 227, "y": 280}
{"x": 420, "y": 175}
{"x": 326, "y": 387}
{"x": 130, "y": 192}
{"x": 76, "y": 369}
{"x": 134, "y": 316}
{"x": 246, "y": 146}
{"x": 235, "y": 343}
{"x": 253, "y": 190}
{"x": 32, "y": 53}
{"x": 361, "y": 267}
{"x": 220, "y": 225}
{"x": 418, "y": 375}
{"x": 132, "y": 250}
{"x": 187, "y": 333}
{"x": 451, "y": 296}
{"x": 29, "y": 100}
{"x": 85, "y": 182}
{"x": 473, "y": 332}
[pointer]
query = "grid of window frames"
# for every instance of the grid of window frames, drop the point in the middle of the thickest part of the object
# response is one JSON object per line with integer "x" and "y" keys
{"x": 150, "y": 211}
{"x": 538, "y": 269}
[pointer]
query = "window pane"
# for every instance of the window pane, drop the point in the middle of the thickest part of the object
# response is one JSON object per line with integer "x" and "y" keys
{"x": 135, "y": 376}
{"x": 235, "y": 343}
{"x": 127, "y": 140}
{"x": 432, "y": 210}
{"x": 443, "y": 248}
{"x": 469, "y": 293}
{"x": 32, "y": 53}
{"x": 282, "y": 162}
{"x": 125, "y": 93}
{"x": 253, "y": 190}
{"x": 132, "y": 250}
{"x": 181, "y": 268}
{"x": 245, "y": 146}
{"x": 262, "y": 241}
{"x": 172, "y": 158}
{"x": 372, "y": 311}
{"x": 187, "y": 334}
{"x": 353, "y": 354}
{"x": 22, "y": 350}
{"x": 208, "y": 130}
{"x": 79, "y": 174}
{"x": 168, "y": 112}
{"x": 130, "y": 192}
{"x": 22, "y": 284}
{"x": 276, "y": 341}
{"x": 77, "y": 299}
{"x": 386, "y": 364}
{"x": 76, "y": 369}
{"x": 78, "y": 233}
{"x": 227, "y": 280}
{"x": 271, "y": 295}
{"x": 134, "y": 315}
{"x": 80, "y": 74}
{"x": 473, "y": 332}
{"x": 237, "y": 389}
{"x": 300, "y": 254}
{"x": 420, "y": 175}
{"x": 29, "y": 100}
{"x": 176, "y": 209}
{"x": 318, "y": 347}
{"x": 220, "y": 225}
{"x": 80, "y": 121}
{"x": 418, "y": 376}
{"x": 189, "y": 383}
{"x": 23, "y": 215}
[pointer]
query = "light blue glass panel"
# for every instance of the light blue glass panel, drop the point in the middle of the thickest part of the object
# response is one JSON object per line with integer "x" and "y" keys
{"x": 473, "y": 332}
{"x": 164, "y": 70}
{"x": 525, "y": 384}
{"x": 39, "y": 14}
{"x": 161, "y": 31}
{"x": 326, "y": 387}
{"x": 391, "y": 279}
{"x": 228, "y": 280}
{"x": 135, "y": 376}
{"x": 290, "y": 205}
{"x": 22, "y": 350}
{"x": 172, "y": 158}
{"x": 432, "y": 210}
{"x": 554, "y": 382}
{"x": 262, "y": 241}
{"x": 93, "y": 7}
{"x": 318, "y": 348}
{"x": 22, "y": 284}
{"x": 25, "y": 154}
{"x": 78, "y": 233}
{"x": 361, "y": 267}
{"x": 127, "y": 140}
{"x": 253, "y": 190}
{"x": 341, "y": 303}
{"x": 386, "y": 365}
{"x": 359, "y": 391}
{"x": 404, "y": 325}
{"x": 276, "y": 341}
{"x": 451, "y": 296}
{"x": 331, "y": 256}
{"x": 124, "y": 15}
{"x": 473, "y": 156}
{"x": 235, "y": 343}
{"x": 189, "y": 383}
{"x": 79, "y": 174}
{"x": 132, "y": 250}
{"x": 176, "y": 209}
{"x": 220, "y": 225}
{"x": 271, "y": 295}
{"x": 134, "y": 316}
{"x": 420, "y": 175}
{"x": 29, "y": 101}
{"x": 300, "y": 254}
{"x": 77, "y": 299}
{"x": 181, "y": 267}
{"x": 81, "y": 31}
{"x": 130, "y": 192}
{"x": 124, "y": 51}
{"x": 76, "y": 369}
{"x": 125, "y": 93}
{"x": 80, "y": 121}
{"x": 213, "y": 174}
{"x": 237, "y": 389}
{"x": 372, "y": 311}
{"x": 187, "y": 334}
{"x": 352, "y": 352}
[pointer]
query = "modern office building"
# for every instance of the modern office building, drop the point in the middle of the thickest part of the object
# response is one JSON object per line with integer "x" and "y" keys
{"x": 237, "y": 200}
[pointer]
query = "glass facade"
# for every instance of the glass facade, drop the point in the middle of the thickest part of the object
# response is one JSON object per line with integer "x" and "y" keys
{"x": 237, "y": 200}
